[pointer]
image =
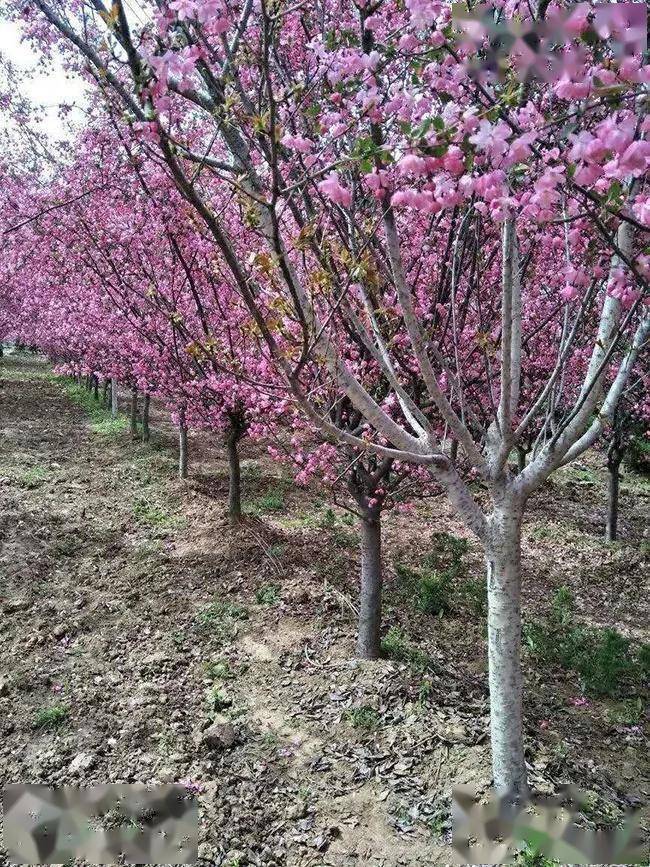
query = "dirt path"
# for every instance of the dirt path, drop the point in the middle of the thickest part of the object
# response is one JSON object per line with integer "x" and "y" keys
{"x": 134, "y": 618}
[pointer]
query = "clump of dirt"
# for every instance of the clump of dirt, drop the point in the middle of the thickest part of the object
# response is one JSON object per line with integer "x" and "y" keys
{"x": 135, "y": 619}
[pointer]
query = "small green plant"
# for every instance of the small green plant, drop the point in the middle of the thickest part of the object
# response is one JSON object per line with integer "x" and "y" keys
{"x": 605, "y": 660}
{"x": 149, "y": 513}
{"x": 362, "y": 718}
{"x": 218, "y": 670}
{"x": 475, "y": 592}
{"x": 32, "y": 477}
{"x": 530, "y": 857}
{"x": 101, "y": 420}
{"x": 51, "y": 717}
{"x": 216, "y": 700}
{"x": 268, "y": 595}
{"x": 431, "y": 586}
{"x": 218, "y": 611}
{"x": 395, "y": 646}
{"x": 220, "y": 618}
{"x": 272, "y": 501}
{"x": 425, "y": 692}
{"x": 627, "y": 713}
{"x": 178, "y": 638}
{"x": 270, "y": 739}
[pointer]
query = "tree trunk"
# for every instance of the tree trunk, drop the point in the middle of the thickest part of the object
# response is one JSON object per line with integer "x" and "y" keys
{"x": 182, "y": 451}
{"x": 521, "y": 459}
{"x": 368, "y": 638}
{"x": 234, "y": 479}
{"x": 105, "y": 394}
{"x": 114, "y": 405}
{"x": 145, "y": 418}
{"x": 453, "y": 451}
{"x": 611, "y": 529}
{"x": 134, "y": 413}
{"x": 96, "y": 387}
{"x": 503, "y": 556}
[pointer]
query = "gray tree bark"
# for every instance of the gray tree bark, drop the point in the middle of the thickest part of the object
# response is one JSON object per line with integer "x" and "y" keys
{"x": 182, "y": 451}
{"x": 146, "y": 433}
{"x": 503, "y": 556}
{"x": 234, "y": 478}
{"x": 134, "y": 413}
{"x": 105, "y": 394}
{"x": 114, "y": 402}
{"x": 369, "y": 634}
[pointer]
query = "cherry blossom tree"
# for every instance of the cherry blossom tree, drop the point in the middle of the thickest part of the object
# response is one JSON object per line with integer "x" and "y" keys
{"x": 362, "y": 185}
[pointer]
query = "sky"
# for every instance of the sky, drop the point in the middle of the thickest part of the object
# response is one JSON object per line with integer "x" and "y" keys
{"x": 46, "y": 88}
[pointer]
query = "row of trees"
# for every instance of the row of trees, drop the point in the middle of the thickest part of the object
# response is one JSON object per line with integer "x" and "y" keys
{"x": 319, "y": 227}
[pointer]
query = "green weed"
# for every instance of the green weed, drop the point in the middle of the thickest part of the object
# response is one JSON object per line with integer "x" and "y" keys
{"x": 150, "y": 513}
{"x": 51, "y": 717}
{"x": 530, "y": 857}
{"x": 395, "y": 646}
{"x": 627, "y": 713}
{"x": 216, "y": 700}
{"x": 272, "y": 501}
{"x": 605, "y": 661}
{"x": 218, "y": 670}
{"x": 101, "y": 420}
{"x": 362, "y": 718}
{"x": 32, "y": 477}
{"x": 219, "y": 619}
{"x": 268, "y": 595}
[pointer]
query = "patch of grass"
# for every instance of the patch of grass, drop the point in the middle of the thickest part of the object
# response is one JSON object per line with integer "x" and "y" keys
{"x": 51, "y": 717}
{"x": 606, "y": 662}
{"x": 268, "y": 595}
{"x": 395, "y": 646}
{"x": 150, "y": 513}
{"x": 216, "y": 700}
{"x": 425, "y": 692}
{"x": 218, "y": 670}
{"x": 270, "y": 739}
{"x": 101, "y": 421}
{"x": 363, "y": 718}
{"x": 220, "y": 618}
{"x": 580, "y": 476}
{"x": 432, "y": 585}
{"x": 272, "y": 501}
{"x": 530, "y": 857}
{"x": 627, "y": 713}
{"x": 32, "y": 477}
{"x": 475, "y": 593}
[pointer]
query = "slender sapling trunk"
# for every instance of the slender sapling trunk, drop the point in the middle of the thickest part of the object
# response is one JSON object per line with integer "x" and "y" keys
{"x": 146, "y": 433}
{"x": 134, "y": 413}
{"x": 234, "y": 477}
{"x": 182, "y": 450}
{"x": 613, "y": 484}
{"x": 369, "y": 634}
{"x": 114, "y": 404}
{"x": 503, "y": 556}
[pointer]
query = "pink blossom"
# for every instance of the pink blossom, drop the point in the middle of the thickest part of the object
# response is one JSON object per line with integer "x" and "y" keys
{"x": 334, "y": 190}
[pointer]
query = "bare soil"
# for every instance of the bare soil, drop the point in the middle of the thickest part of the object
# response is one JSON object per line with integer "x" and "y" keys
{"x": 129, "y": 603}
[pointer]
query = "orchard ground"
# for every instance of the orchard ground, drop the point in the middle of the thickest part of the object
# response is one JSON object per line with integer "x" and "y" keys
{"x": 134, "y": 616}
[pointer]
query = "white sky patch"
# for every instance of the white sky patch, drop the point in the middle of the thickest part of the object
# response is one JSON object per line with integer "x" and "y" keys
{"x": 46, "y": 86}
